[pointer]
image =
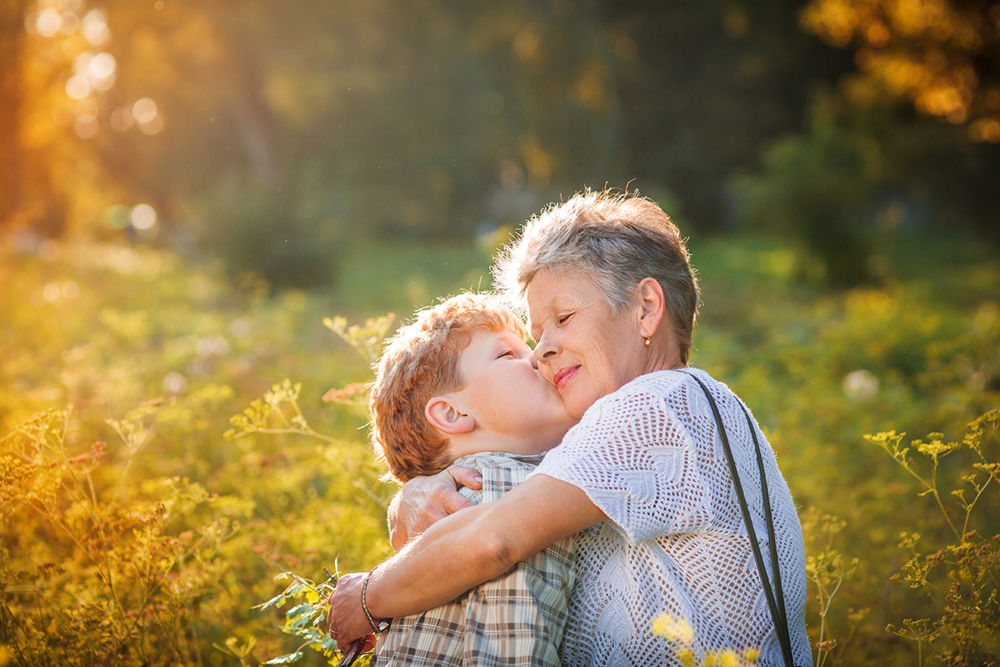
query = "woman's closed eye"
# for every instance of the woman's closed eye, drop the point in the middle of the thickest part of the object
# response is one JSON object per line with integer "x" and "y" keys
{"x": 506, "y": 353}
{"x": 564, "y": 318}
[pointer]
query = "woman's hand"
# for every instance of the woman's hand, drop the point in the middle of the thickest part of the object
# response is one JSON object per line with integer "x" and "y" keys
{"x": 423, "y": 501}
{"x": 346, "y": 618}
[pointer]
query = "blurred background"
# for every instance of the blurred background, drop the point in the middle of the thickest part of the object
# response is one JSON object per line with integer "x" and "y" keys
{"x": 188, "y": 188}
{"x": 278, "y": 136}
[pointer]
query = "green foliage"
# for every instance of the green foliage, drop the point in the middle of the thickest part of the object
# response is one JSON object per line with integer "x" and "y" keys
{"x": 106, "y": 581}
{"x": 827, "y": 570}
{"x": 191, "y": 524}
{"x": 961, "y": 575}
{"x": 305, "y": 619}
{"x": 813, "y": 187}
{"x": 152, "y": 548}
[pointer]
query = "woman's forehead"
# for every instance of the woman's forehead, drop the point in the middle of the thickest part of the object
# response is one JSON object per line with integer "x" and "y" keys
{"x": 549, "y": 289}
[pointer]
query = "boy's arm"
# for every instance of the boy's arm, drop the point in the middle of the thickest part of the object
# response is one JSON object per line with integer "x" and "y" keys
{"x": 423, "y": 501}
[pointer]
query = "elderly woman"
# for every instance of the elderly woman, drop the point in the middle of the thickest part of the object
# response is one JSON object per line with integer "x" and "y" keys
{"x": 643, "y": 479}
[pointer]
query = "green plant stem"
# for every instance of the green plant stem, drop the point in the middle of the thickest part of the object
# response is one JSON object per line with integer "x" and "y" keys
{"x": 968, "y": 511}
{"x": 820, "y": 653}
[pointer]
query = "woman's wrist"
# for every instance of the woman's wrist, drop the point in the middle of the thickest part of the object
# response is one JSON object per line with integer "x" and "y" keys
{"x": 377, "y": 625}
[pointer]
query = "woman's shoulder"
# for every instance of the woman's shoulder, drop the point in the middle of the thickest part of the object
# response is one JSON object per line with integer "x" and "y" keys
{"x": 658, "y": 384}
{"x": 668, "y": 392}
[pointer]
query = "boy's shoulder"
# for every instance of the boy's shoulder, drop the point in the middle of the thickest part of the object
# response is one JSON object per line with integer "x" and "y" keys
{"x": 499, "y": 459}
{"x": 501, "y": 472}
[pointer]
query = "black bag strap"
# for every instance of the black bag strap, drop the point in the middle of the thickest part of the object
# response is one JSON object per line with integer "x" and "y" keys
{"x": 775, "y": 596}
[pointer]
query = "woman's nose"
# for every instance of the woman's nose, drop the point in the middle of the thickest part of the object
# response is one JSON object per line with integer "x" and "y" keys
{"x": 545, "y": 349}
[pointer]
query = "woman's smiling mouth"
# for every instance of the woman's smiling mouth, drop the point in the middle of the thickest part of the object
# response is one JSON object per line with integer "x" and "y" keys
{"x": 563, "y": 375}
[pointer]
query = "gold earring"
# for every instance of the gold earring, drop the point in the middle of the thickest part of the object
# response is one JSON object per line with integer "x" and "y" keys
{"x": 646, "y": 339}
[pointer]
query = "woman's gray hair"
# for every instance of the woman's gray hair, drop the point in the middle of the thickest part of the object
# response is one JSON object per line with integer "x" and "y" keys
{"x": 615, "y": 240}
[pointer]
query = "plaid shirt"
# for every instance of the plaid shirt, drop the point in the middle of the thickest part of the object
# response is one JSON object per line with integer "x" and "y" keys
{"x": 514, "y": 620}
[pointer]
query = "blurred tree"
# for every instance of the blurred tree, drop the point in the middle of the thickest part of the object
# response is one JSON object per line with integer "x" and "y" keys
{"x": 11, "y": 45}
{"x": 705, "y": 86}
{"x": 942, "y": 55}
{"x": 275, "y": 133}
{"x": 943, "y": 58}
{"x": 305, "y": 124}
{"x": 813, "y": 186}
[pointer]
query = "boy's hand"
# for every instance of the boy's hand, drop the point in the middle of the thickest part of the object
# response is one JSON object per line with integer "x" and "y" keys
{"x": 423, "y": 501}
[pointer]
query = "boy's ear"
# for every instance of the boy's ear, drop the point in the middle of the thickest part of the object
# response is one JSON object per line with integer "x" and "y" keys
{"x": 444, "y": 414}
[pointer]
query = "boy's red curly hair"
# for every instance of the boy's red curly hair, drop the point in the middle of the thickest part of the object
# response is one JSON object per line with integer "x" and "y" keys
{"x": 420, "y": 362}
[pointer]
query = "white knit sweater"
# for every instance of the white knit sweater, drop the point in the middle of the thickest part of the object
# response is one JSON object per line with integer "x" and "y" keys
{"x": 649, "y": 456}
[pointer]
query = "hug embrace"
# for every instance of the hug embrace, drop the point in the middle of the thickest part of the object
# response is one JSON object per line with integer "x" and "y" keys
{"x": 617, "y": 507}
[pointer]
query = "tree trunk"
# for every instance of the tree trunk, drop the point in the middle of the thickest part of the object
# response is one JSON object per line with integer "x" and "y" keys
{"x": 12, "y": 36}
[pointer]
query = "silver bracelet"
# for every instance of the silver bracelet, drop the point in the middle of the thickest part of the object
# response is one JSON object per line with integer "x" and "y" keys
{"x": 381, "y": 626}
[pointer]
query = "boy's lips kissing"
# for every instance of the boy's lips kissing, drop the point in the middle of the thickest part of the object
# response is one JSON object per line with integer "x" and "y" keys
{"x": 563, "y": 375}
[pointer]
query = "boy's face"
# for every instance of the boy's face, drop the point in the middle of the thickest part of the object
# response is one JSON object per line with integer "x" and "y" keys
{"x": 507, "y": 395}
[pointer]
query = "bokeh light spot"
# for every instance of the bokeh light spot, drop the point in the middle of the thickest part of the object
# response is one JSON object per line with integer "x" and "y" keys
{"x": 52, "y": 292}
{"x": 118, "y": 216}
{"x": 154, "y": 126}
{"x": 70, "y": 290}
{"x": 102, "y": 66}
{"x": 860, "y": 385}
{"x": 48, "y": 23}
{"x": 104, "y": 84}
{"x": 95, "y": 27}
{"x": 985, "y": 130}
{"x": 174, "y": 383}
{"x": 31, "y": 23}
{"x": 143, "y": 216}
{"x": 78, "y": 87}
{"x": 526, "y": 44}
{"x": 81, "y": 62}
{"x": 121, "y": 119}
{"x": 70, "y": 23}
{"x": 211, "y": 346}
{"x": 736, "y": 22}
{"x": 85, "y": 126}
{"x": 144, "y": 110}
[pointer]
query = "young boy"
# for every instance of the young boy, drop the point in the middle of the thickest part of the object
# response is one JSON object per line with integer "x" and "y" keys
{"x": 461, "y": 385}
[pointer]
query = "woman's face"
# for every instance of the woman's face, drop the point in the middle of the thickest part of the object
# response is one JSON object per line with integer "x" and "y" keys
{"x": 582, "y": 347}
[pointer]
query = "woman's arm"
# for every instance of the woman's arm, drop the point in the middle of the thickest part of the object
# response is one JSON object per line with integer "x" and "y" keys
{"x": 462, "y": 551}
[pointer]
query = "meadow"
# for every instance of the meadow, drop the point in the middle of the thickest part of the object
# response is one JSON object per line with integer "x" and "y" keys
{"x": 167, "y": 451}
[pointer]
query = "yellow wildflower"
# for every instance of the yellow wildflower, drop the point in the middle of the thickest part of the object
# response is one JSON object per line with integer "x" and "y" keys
{"x": 673, "y": 629}
{"x": 724, "y": 658}
{"x": 661, "y": 623}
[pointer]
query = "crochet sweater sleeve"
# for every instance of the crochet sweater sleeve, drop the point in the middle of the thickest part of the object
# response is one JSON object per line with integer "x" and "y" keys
{"x": 639, "y": 463}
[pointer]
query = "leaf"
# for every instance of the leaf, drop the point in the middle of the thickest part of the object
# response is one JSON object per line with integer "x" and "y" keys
{"x": 276, "y": 600}
{"x": 297, "y": 610}
{"x": 285, "y": 659}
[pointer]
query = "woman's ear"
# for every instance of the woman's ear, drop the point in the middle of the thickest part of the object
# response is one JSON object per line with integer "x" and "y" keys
{"x": 652, "y": 306}
{"x": 444, "y": 414}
